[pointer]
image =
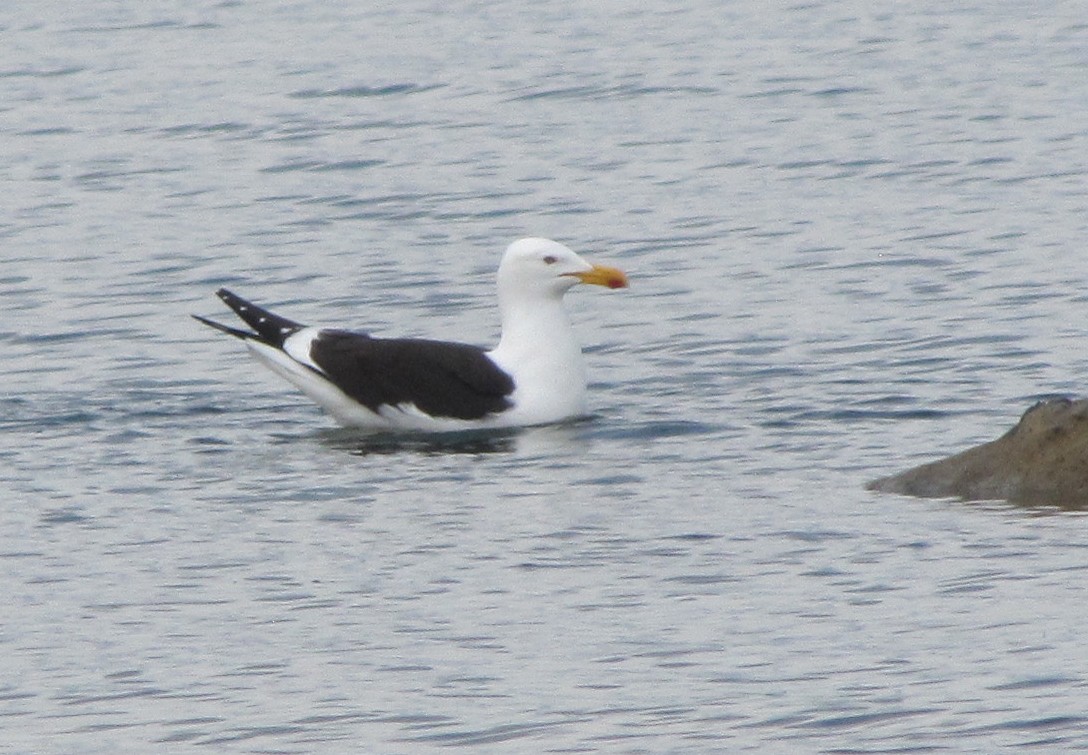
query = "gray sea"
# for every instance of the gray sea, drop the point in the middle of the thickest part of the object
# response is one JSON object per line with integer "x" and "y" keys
{"x": 856, "y": 239}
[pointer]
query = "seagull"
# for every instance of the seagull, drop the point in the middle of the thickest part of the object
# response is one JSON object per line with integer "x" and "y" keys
{"x": 534, "y": 376}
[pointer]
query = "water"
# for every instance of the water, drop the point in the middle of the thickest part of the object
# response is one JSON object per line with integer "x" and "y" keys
{"x": 855, "y": 237}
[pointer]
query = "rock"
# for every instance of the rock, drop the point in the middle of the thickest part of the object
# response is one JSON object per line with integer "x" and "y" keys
{"x": 1043, "y": 460}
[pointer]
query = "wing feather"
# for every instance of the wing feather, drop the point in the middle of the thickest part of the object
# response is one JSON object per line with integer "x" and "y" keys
{"x": 439, "y": 378}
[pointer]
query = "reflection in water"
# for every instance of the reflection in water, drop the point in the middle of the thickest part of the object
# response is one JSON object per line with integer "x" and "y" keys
{"x": 560, "y": 437}
{"x": 546, "y": 440}
{"x": 368, "y": 444}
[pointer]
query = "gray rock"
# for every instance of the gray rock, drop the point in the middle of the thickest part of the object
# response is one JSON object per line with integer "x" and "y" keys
{"x": 1043, "y": 460}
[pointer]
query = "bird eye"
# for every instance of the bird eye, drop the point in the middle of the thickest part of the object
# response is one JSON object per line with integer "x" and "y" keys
{"x": 550, "y": 260}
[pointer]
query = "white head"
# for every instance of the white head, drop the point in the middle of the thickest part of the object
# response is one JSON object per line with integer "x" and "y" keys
{"x": 547, "y": 269}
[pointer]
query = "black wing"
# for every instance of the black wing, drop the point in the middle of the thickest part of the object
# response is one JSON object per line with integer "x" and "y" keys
{"x": 440, "y": 378}
{"x": 267, "y": 327}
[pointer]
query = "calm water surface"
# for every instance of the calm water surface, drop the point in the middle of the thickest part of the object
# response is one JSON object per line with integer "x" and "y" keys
{"x": 856, "y": 241}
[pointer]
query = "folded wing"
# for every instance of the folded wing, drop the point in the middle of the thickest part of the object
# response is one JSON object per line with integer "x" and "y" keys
{"x": 438, "y": 378}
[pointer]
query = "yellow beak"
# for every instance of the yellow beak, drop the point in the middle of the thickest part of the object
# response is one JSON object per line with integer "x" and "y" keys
{"x": 600, "y": 275}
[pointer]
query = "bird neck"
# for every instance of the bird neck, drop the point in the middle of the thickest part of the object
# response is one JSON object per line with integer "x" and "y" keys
{"x": 539, "y": 351}
{"x": 536, "y": 328}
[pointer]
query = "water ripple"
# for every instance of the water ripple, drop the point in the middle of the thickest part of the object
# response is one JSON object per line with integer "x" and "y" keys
{"x": 854, "y": 245}
{"x": 363, "y": 90}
